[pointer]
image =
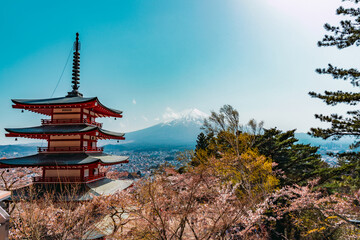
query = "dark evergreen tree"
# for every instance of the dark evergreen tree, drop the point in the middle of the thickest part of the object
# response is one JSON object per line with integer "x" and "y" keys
{"x": 201, "y": 150}
{"x": 346, "y": 175}
{"x": 298, "y": 162}
{"x": 202, "y": 142}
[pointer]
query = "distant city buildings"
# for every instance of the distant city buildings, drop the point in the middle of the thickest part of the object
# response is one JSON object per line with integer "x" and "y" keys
{"x": 146, "y": 162}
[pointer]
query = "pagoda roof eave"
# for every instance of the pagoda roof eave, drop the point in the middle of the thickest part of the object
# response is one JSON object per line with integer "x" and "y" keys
{"x": 63, "y": 159}
{"x": 45, "y": 130}
{"x": 112, "y": 112}
{"x": 40, "y": 105}
{"x": 54, "y": 101}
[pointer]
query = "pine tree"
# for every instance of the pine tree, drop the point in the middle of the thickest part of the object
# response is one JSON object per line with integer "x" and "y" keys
{"x": 297, "y": 162}
{"x": 201, "y": 150}
{"x": 347, "y": 34}
{"x": 346, "y": 175}
{"x": 202, "y": 142}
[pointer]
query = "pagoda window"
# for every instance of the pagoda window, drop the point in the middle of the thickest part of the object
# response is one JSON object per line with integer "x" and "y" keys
{"x": 86, "y": 172}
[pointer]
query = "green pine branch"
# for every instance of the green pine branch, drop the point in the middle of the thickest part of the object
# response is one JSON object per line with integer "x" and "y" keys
{"x": 340, "y": 126}
{"x": 333, "y": 98}
{"x": 351, "y": 74}
{"x": 347, "y": 33}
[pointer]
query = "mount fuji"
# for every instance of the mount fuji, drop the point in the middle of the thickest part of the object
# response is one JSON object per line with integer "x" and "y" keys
{"x": 179, "y": 132}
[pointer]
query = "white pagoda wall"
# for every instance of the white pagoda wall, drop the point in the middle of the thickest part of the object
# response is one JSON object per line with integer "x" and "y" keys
{"x": 62, "y": 173}
{"x": 65, "y": 143}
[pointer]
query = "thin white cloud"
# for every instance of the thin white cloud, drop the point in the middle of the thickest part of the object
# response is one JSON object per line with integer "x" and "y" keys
{"x": 134, "y": 101}
{"x": 170, "y": 114}
{"x": 145, "y": 118}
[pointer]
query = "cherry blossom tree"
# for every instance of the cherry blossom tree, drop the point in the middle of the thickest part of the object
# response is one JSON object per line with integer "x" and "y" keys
{"x": 317, "y": 214}
{"x": 12, "y": 178}
{"x": 191, "y": 206}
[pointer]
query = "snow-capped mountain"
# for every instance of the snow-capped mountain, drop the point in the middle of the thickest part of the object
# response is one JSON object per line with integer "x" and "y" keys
{"x": 188, "y": 116}
{"x": 179, "y": 131}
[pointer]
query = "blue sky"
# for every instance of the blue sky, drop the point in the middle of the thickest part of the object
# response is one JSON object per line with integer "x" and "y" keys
{"x": 146, "y": 57}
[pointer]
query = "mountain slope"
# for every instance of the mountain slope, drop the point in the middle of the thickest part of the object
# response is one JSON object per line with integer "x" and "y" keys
{"x": 10, "y": 151}
{"x": 180, "y": 132}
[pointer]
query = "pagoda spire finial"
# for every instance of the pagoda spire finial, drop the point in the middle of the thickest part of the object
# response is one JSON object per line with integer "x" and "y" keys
{"x": 76, "y": 70}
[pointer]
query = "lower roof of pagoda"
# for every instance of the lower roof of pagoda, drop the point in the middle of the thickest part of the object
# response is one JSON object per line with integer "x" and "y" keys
{"x": 63, "y": 159}
{"x": 43, "y": 131}
{"x": 70, "y": 191}
{"x": 44, "y": 106}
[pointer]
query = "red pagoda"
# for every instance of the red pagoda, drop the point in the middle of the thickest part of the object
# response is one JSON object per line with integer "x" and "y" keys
{"x": 72, "y": 132}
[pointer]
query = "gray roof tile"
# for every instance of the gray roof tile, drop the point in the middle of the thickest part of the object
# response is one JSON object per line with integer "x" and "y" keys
{"x": 63, "y": 159}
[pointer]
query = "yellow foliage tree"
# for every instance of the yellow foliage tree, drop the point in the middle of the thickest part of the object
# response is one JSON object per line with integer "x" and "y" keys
{"x": 230, "y": 154}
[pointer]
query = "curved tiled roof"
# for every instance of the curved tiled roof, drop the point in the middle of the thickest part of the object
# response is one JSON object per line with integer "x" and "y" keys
{"x": 54, "y": 101}
{"x": 63, "y": 159}
{"x": 63, "y": 101}
{"x": 72, "y": 192}
{"x": 62, "y": 129}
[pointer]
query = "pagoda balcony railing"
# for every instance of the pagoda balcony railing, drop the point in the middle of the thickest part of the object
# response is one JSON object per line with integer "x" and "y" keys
{"x": 68, "y": 179}
{"x": 69, "y": 121}
{"x": 69, "y": 149}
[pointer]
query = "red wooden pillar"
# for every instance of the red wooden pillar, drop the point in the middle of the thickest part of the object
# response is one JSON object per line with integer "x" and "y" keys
{"x": 82, "y": 173}
{"x": 82, "y": 115}
{"x": 48, "y": 143}
{"x": 81, "y": 142}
